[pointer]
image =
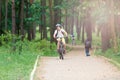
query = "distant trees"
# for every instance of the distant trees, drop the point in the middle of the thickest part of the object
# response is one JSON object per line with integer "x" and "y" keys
{"x": 21, "y": 17}
{"x": 107, "y": 10}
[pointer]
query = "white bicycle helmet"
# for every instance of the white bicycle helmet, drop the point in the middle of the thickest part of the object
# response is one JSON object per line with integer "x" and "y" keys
{"x": 58, "y": 25}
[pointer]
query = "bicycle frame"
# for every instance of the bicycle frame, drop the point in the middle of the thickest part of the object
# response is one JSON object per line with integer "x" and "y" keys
{"x": 61, "y": 49}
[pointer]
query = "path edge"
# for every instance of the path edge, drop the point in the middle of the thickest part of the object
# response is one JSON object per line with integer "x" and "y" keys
{"x": 34, "y": 69}
{"x": 115, "y": 63}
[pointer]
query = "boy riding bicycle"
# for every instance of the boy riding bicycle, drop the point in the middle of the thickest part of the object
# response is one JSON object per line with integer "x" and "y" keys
{"x": 58, "y": 35}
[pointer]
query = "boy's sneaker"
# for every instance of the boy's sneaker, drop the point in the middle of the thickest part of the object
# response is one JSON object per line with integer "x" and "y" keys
{"x": 88, "y": 55}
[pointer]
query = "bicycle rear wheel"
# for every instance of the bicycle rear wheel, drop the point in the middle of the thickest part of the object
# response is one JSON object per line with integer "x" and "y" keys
{"x": 61, "y": 54}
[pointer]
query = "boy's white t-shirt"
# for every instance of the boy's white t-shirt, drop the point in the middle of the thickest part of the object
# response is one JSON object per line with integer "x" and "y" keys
{"x": 60, "y": 33}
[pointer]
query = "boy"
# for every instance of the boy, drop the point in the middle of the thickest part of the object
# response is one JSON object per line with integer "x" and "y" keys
{"x": 59, "y": 33}
{"x": 87, "y": 46}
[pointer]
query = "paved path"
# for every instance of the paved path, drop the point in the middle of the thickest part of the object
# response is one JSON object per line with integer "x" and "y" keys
{"x": 76, "y": 66}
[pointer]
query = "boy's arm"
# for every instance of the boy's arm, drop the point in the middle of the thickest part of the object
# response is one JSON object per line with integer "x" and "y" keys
{"x": 65, "y": 33}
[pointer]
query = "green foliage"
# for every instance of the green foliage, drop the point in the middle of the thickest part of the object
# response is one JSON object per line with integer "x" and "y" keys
{"x": 42, "y": 47}
{"x": 46, "y": 48}
{"x": 15, "y": 66}
{"x": 5, "y": 39}
{"x": 115, "y": 57}
{"x": 96, "y": 40}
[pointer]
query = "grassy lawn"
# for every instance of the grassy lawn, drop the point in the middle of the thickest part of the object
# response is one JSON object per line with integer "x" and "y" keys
{"x": 114, "y": 57}
{"x": 15, "y": 66}
{"x": 18, "y": 67}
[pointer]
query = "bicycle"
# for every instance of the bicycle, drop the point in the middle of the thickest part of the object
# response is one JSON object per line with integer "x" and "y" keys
{"x": 61, "y": 49}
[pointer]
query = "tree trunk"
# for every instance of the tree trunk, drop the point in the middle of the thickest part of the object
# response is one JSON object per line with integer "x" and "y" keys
{"x": 114, "y": 38}
{"x": 69, "y": 21}
{"x": 13, "y": 25}
{"x": 83, "y": 32}
{"x": 88, "y": 26}
{"x": 43, "y": 19}
{"x": 29, "y": 30}
{"x": 66, "y": 23}
{"x": 6, "y": 16}
{"x": 13, "y": 17}
{"x": 30, "y": 34}
{"x": 21, "y": 19}
{"x": 72, "y": 19}
{"x": 52, "y": 28}
{"x": 41, "y": 32}
{"x": 0, "y": 17}
{"x": 118, "y": 25}
{"x": 78, "y": 28}
{"x": 105, "y": 34}
{"x": 33, "y": 31}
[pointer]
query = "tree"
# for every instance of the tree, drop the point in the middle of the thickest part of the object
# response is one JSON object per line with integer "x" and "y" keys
{"x": 78, "y": 27}
{"x": 21, "y": 19}
{"x": 105, "y": 36}
{"x": 57, "y": 11}
{"x": 72, "y": 19}
{"x": 1, "y": 17}
{"x": 6, "y": 16}
{"x": 51, "y": 20}
{"x": 13, "y": 17}
{"x": 30, "y": 20}
{"x": 43, "y": 19}
{"x": 13, "y": 25}
{"x": 112, "y": 26}
{"x": 83, "y": 32}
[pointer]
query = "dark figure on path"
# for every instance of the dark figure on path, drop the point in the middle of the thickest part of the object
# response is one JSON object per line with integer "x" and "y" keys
{"x": 73, "y": 39}
{"x": 87, "y": 47}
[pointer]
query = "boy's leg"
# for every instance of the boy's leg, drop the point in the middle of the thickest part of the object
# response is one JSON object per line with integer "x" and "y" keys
{"x": 58, "y": 43}
{"x": 63, "y": 40}
{"x": 87, "y": 52}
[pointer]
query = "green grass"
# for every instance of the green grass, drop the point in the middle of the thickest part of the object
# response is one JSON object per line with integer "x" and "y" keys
{"x": 113, "y": 57}
{"x": 49, "y": 52}
{"x": 15, "y": 66}
{"x": 96, "y": 40}
{"x": 18, "y": 67}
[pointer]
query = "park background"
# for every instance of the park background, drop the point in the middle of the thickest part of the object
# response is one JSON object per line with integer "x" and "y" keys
{"x": 27, "y": 27}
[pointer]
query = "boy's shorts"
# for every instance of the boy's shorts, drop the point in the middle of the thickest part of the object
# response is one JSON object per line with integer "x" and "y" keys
{"x": 63, "y": 40}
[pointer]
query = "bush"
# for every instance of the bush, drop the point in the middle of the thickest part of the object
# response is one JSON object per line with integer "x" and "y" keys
{"x": 21, "y": 60}
{"x": 46, "y": 48}
{"x": 5, "y": 39}
{"x": 41, "y": 47}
